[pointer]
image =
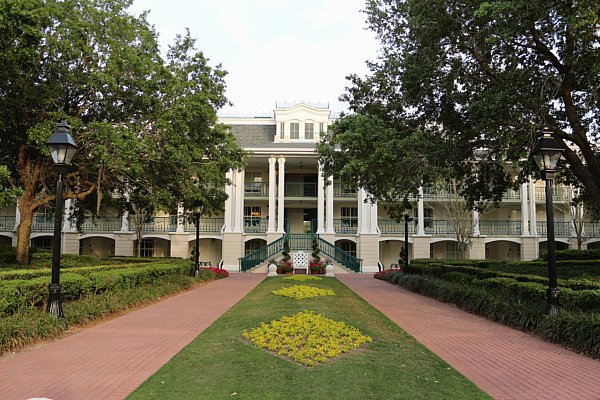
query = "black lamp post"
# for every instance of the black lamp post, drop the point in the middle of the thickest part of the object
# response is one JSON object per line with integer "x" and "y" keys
{"x": 546, "y": 153}
{"x": 407, "y": 219}
{"x": 62, "y": 148}
{"x": 197, "y": 210}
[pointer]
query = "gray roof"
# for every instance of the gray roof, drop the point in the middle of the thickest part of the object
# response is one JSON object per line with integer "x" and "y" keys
{"x": 261, "y": 136}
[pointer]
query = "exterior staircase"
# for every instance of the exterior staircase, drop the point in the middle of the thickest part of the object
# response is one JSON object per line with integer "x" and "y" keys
{"x": 300, "y": 242}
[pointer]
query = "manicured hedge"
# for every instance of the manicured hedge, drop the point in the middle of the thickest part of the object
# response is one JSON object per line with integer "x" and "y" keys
{"x": 574, "y": 254}
{"x": 578, "y": 330}
{"x": 18, "y": 293}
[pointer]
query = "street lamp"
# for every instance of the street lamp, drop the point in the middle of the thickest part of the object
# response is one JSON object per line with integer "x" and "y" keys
{"x": 407, "y": 219}
{"x": 197, "y": 210}
{"x": 62, "y": 148}
{"x": 546, "y": 153}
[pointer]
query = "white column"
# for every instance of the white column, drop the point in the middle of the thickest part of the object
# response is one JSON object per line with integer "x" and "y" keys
{"x": 532, "y": 209}
{"x": 272, "y": 184}
{"x": 421, "y": 212}
{"x": 320, "y": 201}
{"x": 180, "y": 221}
{"x": 329, "y": 205}
{"x": 524, "y": 210}
{"x": 67, "y": 224}
{"x": 229, "y": 203}
{"x": 281, "y": 195}
{"x": 373, "y": 228}
{"x": 238, "y": 222}
{"x": 476, "y": 231}
{"x": 17, "y": 216}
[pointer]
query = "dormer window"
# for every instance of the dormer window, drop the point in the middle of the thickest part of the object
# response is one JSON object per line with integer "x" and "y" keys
{"x": 294, "y": 130}
{"x": 309, "y": 130}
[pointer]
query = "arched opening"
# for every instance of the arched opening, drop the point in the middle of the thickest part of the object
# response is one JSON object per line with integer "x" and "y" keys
{"x": 390, "y": 252}
{"x": 252, "y": 245}
{"x": 502, "y": 250}
{"x": 347, "y": 245}
{"x": 444, "y": 249}
{"x": 153, "y": 247}
{"x": 5, "y": 241}
{"x": 41, "y": 243}
{"x": 543, "y": 246}
{"x": 594, "y": 245}
{"x": 211, "y": 250}
{"x": 97, "y": 246}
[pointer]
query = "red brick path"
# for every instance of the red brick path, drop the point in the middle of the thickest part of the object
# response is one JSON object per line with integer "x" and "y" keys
{"x": 110, "y": 360}
{"x": 506, "y": 363}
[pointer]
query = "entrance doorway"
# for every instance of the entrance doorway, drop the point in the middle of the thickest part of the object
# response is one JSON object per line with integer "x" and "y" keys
{"x": 310, "y": 220}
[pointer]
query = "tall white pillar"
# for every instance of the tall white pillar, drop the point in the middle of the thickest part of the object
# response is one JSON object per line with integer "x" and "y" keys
{"x": 364, "y": 212}
{"x": 532, "y": 209}
{"x": 238, "y": 219}
{"x": 229, "y": 203}
{"x": 476, "y": 231}
{"x": 281, "y": 195}
{"x": 524, "y": 210}
{"x": 17, "y": 216}
{"x": 272, "y": 185}
{"x": 421, "y": 212}
{"x": 180, "y": 221}
{"x": 320, "y": 201}
{"x": 329, "y": 205}
{"x": 373, "y": 228}
{"x": 67, "y": 225}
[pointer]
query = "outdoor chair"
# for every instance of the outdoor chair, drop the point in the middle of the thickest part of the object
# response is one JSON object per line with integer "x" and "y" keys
{"x": 300, "y": 261}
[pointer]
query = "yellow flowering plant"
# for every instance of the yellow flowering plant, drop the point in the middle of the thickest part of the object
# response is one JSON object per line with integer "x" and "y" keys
{"x": 307, "y": 338}
{"x": 302, "y": 278}
{"x": 300, "y": 292}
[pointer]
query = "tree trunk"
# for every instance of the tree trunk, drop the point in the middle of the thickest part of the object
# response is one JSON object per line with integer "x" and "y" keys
{"x": 23, "y": 234}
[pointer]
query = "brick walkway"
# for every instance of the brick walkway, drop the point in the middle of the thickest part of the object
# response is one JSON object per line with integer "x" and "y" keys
{"x": 506, "y": 363}
{"x": 110, "y": 360}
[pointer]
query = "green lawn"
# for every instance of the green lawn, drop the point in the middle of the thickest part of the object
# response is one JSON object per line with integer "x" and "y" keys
{"x": 220, "y": 364}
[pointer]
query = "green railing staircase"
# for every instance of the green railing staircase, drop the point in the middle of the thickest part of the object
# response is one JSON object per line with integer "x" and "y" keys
{"x": 300, "y": 242}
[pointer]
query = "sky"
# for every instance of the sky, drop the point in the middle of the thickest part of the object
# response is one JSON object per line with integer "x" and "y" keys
{"x": 273, "y": 50}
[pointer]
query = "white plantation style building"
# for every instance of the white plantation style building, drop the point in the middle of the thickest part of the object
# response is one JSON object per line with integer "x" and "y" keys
{"x": 281, "y": 195}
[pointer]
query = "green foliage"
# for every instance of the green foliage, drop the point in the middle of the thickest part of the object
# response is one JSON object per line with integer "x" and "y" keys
{"x": 315, "y": 249}
{"x": 574, "y": 254}
{"x": 286, "y": 250}
{"x": 146, "y": 127}
{"x": 457, "y": 77}
{"x": 28, "y": 324}
{"x": 33, "y": 292}
{"x": 577, "y": 330}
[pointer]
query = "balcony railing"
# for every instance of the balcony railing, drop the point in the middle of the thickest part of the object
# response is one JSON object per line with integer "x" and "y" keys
{"x": 256, "y": 189}
{"x": 498, "y": 228}
{"x": 300, "y": 189}
{"x": 591, "y": 229}
{"x": 511, "y": 194}
{"x": 559, "y": 193}
{"x": 7, "y": 222}
{"x": 256, "y": 225}
{"x": 430, "y": 192}
{"x": 156, "y": 224}
{"x": 561, "y": 228}
{"x": 343, "y": 190}
{"x": 345, "y": 225}
{"x": 101, "y": 224}
{"x": 439, "y": 227}
{"x": 206, "y": 225}
{"x": 391, "y": 227}
{"x": 43, "y": 222}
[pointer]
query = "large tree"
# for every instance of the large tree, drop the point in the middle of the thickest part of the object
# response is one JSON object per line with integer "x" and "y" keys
{"x": 483, "y": 78}
{"x": 142, "y": 122}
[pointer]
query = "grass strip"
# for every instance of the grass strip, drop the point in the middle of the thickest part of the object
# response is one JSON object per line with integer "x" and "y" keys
{"x": 220, "y": 363}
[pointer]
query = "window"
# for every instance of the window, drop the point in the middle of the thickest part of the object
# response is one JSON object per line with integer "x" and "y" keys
{"x": 252, "y": 216}
{"x": 252, "y": 245}
{"x": 253, "y": 183}
{"x": 309, "y": 130}
{"x": 147, "y": 248}
{"x": 348, "y": 246}
{"x": 321, "y": 127}
{"x": 281, "y": 130}
{"x": 349, "y": 216}
{"x": 42, "y": 242}
{"x": 427, "y": 218}
{"x": 295, "y": 130}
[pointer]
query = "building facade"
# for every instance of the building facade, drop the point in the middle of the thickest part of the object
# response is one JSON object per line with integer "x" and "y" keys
{"x": 282, "y": 193}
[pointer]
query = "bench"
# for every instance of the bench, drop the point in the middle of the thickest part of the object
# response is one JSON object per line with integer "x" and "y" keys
{"x": 300, "y": 261}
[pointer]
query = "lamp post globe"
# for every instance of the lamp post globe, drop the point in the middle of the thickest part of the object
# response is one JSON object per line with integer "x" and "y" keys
{"x": 546, "y": 153}
{"x": 62, "y": 148}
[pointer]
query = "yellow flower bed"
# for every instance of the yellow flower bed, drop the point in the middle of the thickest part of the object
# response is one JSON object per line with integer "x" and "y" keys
{"x": 307, "y": 338}
{"x": 300, "y": 292}
{"x": 302, "y": 278}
